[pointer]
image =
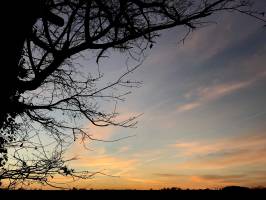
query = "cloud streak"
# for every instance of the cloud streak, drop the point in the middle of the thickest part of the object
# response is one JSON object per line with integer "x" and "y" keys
{"x": 203, "y": 95}
{"x": 223, "y": 153}
{"x": 206, "y": 147}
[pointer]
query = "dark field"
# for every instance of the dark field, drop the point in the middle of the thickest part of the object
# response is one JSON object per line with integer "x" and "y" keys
{"x": 168, "y": 193}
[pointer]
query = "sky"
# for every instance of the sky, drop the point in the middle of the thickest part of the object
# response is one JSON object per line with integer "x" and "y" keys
{"x": 203, "y": 105}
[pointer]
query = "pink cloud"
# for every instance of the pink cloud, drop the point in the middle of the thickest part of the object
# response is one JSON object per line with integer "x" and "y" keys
{"x": 207, "y": 94}
{"x": 226, "y": 153}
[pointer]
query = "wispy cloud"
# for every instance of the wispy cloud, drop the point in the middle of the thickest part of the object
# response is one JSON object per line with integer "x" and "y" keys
{"x": 168, "y": 175}
{"x": 202, "y": 178}
{"x": 208, "y": 42}
{"x": 223, "y": 153}
{"x": 203, "y": 95}
{"x": 250, "y": 142}
{"x": 215, "y": 177}
{"x": 123, "y": 149}
{"x": 206, "y": 94}
{"x": 188, "y": 106}
{"x": 112, "y": 164}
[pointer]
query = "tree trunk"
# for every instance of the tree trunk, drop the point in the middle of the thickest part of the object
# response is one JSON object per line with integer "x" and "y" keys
{"x": 17, "y": 20}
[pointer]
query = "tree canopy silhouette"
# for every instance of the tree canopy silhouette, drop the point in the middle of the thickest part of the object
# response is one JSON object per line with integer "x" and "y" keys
{"x": 44, "y": 92}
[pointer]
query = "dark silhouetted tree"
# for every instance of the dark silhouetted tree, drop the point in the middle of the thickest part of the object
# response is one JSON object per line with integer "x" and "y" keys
{"x": 44, "y": 92}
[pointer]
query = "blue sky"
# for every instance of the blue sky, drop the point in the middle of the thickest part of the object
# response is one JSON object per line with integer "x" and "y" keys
{"x": 204, "y": 112}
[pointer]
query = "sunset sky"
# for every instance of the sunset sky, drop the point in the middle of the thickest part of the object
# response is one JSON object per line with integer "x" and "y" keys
{"x": 204, "y": 113}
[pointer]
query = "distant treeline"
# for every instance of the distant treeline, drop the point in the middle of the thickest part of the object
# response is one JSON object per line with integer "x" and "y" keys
{"x": 227, "y": 188}
{"x": 227, "y": 193}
